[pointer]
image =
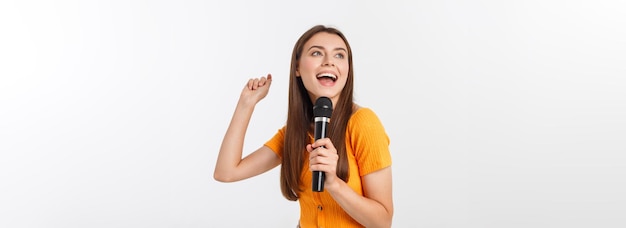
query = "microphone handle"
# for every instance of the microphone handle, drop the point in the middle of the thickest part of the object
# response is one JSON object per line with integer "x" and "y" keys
{"x": 318, "y": 181}
{"x": 319, "y": 176}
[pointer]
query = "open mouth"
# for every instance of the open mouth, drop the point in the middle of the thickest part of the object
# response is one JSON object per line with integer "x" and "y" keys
{"x": 327, "y": 76}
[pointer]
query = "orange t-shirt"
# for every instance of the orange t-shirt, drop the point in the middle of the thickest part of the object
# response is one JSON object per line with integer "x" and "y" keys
{"x": 367, "y": 147}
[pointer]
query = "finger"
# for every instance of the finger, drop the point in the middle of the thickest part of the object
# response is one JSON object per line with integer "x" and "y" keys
{"x": 319, "y": 142}
{"x": 262, "y": 81}
{"x": 313, "y": 152}
{"x": 309, "y": 148}
{"x": 324, "y": 142}
{"x": 266, "y": 80}
{"x": 322, "y": 164}
{"x": 250, "y": 83}
{"x": 323, "y": 155}
{"x": 255, "y": 84}
{"x": 318, "y": 156}
{"x": 269, "y": 79}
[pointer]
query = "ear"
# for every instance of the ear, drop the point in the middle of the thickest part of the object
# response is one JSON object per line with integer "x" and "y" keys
{"x": 297, "y": 73}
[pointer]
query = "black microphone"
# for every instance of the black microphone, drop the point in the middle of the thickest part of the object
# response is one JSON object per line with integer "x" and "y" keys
{"x": 322, "y": 110}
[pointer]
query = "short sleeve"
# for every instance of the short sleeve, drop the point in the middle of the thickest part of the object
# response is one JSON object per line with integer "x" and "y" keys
{"x": 276, "y": 143}
{"x": 369, "y": 141}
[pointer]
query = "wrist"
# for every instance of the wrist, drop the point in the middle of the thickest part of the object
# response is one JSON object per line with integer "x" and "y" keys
{"x": 246, "y": 104}
{"x": 333, "y": 186}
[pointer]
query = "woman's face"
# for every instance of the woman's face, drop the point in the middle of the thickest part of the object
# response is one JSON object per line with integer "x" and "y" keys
{"x": 324, "y": 66}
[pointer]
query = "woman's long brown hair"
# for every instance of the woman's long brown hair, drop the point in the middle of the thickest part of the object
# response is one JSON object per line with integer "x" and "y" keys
{"x": 300, "y": 117}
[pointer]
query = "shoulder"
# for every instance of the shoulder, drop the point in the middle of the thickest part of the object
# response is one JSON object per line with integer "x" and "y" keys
{"x": 365, "y": 120}
{"x": 364, "y": 115}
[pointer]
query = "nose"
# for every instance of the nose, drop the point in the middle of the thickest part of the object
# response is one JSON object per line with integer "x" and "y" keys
{"x": 328, "y": 61}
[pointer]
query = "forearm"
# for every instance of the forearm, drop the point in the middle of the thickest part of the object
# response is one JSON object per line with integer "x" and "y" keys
{"x": 366, "y": 211}
{"x": 230, "y": 154}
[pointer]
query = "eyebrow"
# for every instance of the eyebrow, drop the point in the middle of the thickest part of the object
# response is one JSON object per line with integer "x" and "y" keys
{"x": 320, "y": 47}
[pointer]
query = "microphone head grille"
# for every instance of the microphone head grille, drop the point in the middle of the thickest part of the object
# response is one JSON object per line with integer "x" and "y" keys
{"x": 323, "y": 107}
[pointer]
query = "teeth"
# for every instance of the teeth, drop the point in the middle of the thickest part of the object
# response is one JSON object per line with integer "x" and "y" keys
{"x": 334, "y": 77}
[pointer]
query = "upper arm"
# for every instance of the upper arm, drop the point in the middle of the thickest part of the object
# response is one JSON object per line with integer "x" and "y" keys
{"x": 257, "y": 162}
{"x": 378, "y": 187}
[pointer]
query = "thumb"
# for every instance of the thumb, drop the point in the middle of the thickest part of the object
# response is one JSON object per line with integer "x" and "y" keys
{"x": 269, "y": 79}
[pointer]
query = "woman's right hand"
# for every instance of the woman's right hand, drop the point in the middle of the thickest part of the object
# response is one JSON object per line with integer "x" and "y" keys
{"x": 256, "y": 90}
{"x": 230, "y": 166}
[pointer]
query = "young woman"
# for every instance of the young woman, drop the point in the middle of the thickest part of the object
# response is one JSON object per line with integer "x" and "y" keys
{"x": 355, "y": 157}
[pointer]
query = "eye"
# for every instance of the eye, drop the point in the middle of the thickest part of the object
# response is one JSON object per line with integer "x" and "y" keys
{"x": 340, "y": 55}
{"x": 316, "y": 53}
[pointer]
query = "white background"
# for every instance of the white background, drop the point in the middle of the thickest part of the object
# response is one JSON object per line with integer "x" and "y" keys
{"x": 500, "y": 113}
